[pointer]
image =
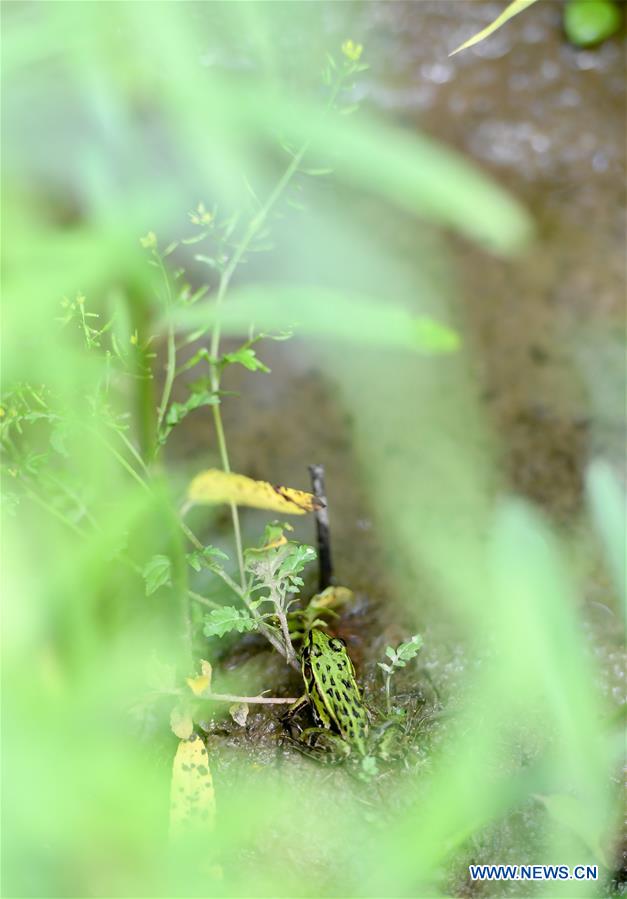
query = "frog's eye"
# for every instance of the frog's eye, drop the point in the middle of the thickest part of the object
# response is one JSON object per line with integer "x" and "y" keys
{"x": 337, "y": 644}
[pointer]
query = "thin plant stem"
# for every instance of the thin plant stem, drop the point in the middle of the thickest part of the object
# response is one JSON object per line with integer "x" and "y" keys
{"x": 170, "y": 369}
{"x": 290, "y": 654}
{"x": 129, "y": 468}
{"x": 254, "y": 226}
{"x": 55, "y": 512}
{"x": 73, "y": 496}
{"x": 226, "y": 466}
{"x": 136, "y": 455}
{"x": 251, "y": 700}
{"x": 203, "y": 600}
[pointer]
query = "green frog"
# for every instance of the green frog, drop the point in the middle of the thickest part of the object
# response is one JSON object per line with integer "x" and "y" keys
{"x": 331, "y": 690}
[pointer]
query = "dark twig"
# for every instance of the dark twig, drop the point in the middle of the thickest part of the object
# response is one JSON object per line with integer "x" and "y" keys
{"x": 325, "y": 565}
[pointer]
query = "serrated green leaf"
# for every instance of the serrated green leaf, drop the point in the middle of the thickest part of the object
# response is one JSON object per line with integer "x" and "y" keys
{"x": 157, "y": 573}
{"x": 222, "y": 621}
{"x": 407, "y": 651}
{"x": 247, "y": 357}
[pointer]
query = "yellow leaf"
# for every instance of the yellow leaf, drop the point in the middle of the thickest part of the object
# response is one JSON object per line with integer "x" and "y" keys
{"x": 214, "y": 486}
{"x": 201, "y": 684}
{"x": 509, "y": 12}
{"x": 192, "y": 797}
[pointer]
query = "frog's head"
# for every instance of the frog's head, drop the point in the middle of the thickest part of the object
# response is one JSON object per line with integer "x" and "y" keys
{"x": 319, "y": 643}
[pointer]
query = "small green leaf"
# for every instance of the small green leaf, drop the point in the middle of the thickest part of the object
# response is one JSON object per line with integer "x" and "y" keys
{"x": 247, "y": 357}
{"x": 222, "y": 621}
{"x": 157, "y": 573}
{"x": 201, "y": 354}
{"x": 207, "y": 260}
{"x": 197, "y": 238}
{"x": 407, "y": 651}
{"x": 178, "y": 411}
{"x": 171, "y": 247}
{"x": 209, "y": 556}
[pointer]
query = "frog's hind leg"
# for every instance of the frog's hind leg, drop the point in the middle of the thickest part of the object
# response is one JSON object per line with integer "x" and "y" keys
{"x": 322, "y": 745}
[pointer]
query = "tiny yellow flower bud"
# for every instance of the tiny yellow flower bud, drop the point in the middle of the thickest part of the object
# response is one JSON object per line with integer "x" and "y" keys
{"x": 80, "y": 299}
{"x": 351, "y": 50}
{"x": 200, "y": 215}
{"x": 134, "y": 338}
{"x": 149, "y": 241}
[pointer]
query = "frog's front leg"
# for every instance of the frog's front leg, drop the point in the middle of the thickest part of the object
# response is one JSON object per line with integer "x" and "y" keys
{"x": 296, "y": 707}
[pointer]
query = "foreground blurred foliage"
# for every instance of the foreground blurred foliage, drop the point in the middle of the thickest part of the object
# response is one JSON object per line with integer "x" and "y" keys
{"x": 117, "y": 119}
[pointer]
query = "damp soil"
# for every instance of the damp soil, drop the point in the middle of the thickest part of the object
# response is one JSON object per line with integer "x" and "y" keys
{"x": 546, "y": 120}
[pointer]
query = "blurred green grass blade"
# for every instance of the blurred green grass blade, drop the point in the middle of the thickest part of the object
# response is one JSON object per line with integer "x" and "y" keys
{"x": 216, "y": 122}
{"x": 425, "y": 177}
{"x": 572, "y": 813}
{"x": 515, "y": 7}
{"x": 606, "y": 498}
{"x": 324, "y": 313}
{"x": 409, "y": 169}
